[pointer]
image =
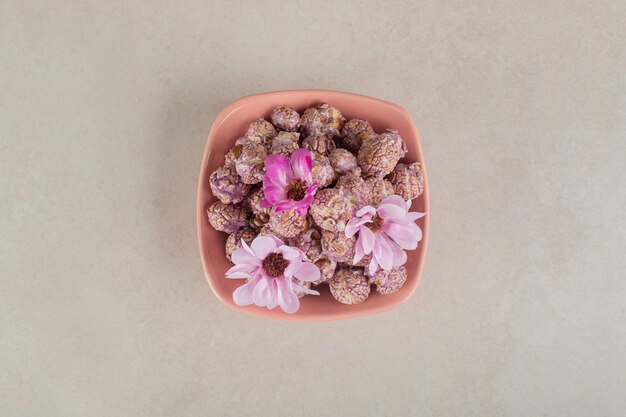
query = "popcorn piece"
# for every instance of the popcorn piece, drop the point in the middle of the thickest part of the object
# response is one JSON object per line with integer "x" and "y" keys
{"x": 322, "y": 119}
{"x": 226, "y": 217}
{"x": 379, "y": 154}
{"x": 327, "y": 269}
{"x": 259, "y": 220}
{"x": 309, "y": 242}
{"x": 249, "y": 164}
{"x": 231, "y": 156}
{"x": 354, "y": 187}
{"x": 408, "y": 180}
{"x": 285, "y": 143}
{"x": 233, "y": 242}
{"x": 364, "y": 263}
{"x": 261, "y": 131}
{"x": 321, "y": 170}
{"x": 376, "y": 190}
{"x": 338, "y": 247}
{"x": 342, "y": 160}
{"x": 267, "y": 230}
{"x": 331, "y": 209}
{"x": 227, "y": 185}
{"x": 288, "y": 223}
{"x": 388, "y": 282}
{"x": 349, "y": 286}
{"x": 252, "y": 202}
{"x": 305, "y": 284}
{"x": 321, "y": 144}
{"x": 305, "y": 240}
{"x": 285, "y": 118}
{"x": 354, "y": 132}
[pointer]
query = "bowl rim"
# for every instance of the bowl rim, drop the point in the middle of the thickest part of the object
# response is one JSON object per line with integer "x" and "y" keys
{"x": 200, "y": 209}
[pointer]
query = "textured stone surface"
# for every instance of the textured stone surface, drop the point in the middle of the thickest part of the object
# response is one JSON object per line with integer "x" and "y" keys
{"x": 105, "y": 107}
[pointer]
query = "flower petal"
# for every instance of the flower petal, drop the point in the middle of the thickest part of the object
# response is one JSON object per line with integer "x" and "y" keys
{"x": 262, "y": 295}
{"x": 366, "y": 210}
{"x": 414, "y": 215}
{"x": 288, "y": 252}
{"x": 242, "y": 256}
{"x": 278, "y": 169}
{"x": 390, "y": 211}
{"x": 395, "y": 200}
{"x": 272, "y": 194}
{"x": 383, "y": 254}
{"x": 285, "y": 205}
{"x": 399, "y": 256}
{"x": 367, "y": 238}
{"x": 308, "y": 272}
{"x": 263, "y": 246}
{"x": 359, "y": 253}
{"x": 246, "y": 247}
{"x": 302, "y": 210}
{"x": 353, "y": 225}
{"x": 312, "y": 189}
{"x": 373, "y": 266}
{"x": 404, "y": 236}
{"x": 287, "y": 300}
{"x": 293, "y": 266}
{"x": 298, "y": 287}
{"x": 275, "y": 239}
{"x": 272, "y": 304}
{"x": 301, "y": 164}
{"x": 243, "y": 295}
{"x": 241, "y": 271}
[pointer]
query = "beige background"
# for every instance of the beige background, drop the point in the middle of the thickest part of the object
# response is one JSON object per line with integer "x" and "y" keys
{"x": 104, "y": 111}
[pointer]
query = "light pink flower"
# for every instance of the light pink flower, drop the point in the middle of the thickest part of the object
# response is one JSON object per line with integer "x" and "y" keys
{"x": 288, "y": 184}
{"x": 270, "y": 267}
{"x": 385, "y": 232}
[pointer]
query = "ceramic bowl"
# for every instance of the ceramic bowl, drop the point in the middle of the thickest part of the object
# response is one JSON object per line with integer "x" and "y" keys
{"x": 230, "y": 124}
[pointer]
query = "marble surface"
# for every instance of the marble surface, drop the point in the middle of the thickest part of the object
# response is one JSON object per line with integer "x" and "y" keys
{"x": 104, "y": 111}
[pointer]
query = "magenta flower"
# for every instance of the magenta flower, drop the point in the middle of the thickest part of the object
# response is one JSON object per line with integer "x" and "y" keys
{"x": 385, "y": 232}
{"x": 288, "y": 184}
{"x": 270, "y": 267}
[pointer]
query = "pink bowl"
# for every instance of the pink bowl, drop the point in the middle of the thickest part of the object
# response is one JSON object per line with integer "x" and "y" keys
{"x": 232, "y": 123}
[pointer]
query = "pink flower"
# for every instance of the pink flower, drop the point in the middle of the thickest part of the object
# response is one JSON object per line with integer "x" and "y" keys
{"x": 270, "y": 267}
{"x": 288, "y": 184}
{"x": 385, "y": 232}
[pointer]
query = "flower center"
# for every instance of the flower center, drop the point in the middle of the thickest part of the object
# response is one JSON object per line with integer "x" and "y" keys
{"x": 296, "y": 190}
{"x": 376, "y": 224}
{"x": 274, "y": 265}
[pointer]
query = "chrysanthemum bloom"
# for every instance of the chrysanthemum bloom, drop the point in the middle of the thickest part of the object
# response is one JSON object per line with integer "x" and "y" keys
{"x": 288, "y": 183}
{"x": 385, "y": 231}
{"x": 271, "y": 266}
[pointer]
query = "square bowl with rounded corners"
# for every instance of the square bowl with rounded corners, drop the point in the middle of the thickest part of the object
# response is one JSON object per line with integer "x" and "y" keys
{"x": 230, "y": 124}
